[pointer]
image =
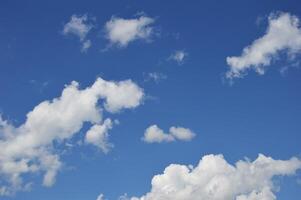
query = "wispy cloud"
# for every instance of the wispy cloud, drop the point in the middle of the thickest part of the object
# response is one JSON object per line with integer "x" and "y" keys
{"x": 155, "y": 76}
{"x": 100, "y": 197}
{"x": 178, "y": 56}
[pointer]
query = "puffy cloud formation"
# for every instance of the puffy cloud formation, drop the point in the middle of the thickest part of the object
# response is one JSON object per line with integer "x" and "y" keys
{"x": 215, "y": 179}
{"x": 80, "y": 27}
{"x": 29, "y": 148}
{"x": 121, "y": 31}
{"x": 283, "y": 34}
{"x": 178, "y": 56}
{"x": 155, "y": 134}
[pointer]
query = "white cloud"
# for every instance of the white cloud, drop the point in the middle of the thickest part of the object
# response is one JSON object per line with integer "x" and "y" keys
{"x": 120, "y": 95}
{"x": 86, "y": 45}
{"x": 98, "y": 135}
{"x": 79, "y": 26}
{"x": 121, "y": 31}
{"x": 123, "y": 197}
{"x": 155, "y": 134}
{"x": 215, "y": 179}
{"x": 178, "y": 56}
{"x": 282, "y": 35}
{"x": 29, "y": 148}
{"x": 181, "y": 133}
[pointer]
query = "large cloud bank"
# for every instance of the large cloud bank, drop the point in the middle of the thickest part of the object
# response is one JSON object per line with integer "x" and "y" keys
{"x": 121, "y": 32}
{"x": 215, "y": 179}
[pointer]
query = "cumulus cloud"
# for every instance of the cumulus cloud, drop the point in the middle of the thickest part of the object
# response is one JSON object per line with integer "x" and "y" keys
{"x": 154, "y": 134}
{"x": 283, "y": 34}
{"x": 121, "y": 31}
{"x": 29, "y": 148}
{"x": 98, "y": 135}
{"x": 178, "y": 56}
{"x": 79, "y": 26}
{"x": 215, "y": 179}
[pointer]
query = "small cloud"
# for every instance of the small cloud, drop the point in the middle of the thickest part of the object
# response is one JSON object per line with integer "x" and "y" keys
{"x": 154, "y": 134}
{"x": 79, "y": 26}
{"x": 178, "y": 56}
{"x": 86, "y": 45}
{"x": 155, "y": 76}
{"x": 98, "y": 135}
{"x": 70, "y": 145}
{"x": 100, "y": 197}
{"x": 121, "y": 32}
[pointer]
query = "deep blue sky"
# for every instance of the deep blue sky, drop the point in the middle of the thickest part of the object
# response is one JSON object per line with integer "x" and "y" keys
{"x": 257, "y": 114}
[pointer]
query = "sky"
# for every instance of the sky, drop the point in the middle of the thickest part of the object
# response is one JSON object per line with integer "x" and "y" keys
{"x": 150, "y": 100}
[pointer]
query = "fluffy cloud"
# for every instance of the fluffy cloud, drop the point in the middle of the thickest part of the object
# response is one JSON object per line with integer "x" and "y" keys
{"x": 121, "y": 31}
{"x": 155, "y": 134}
{"x": 98, "y": 135}
{"x": 215, "y": 179}
{"x": 282, "y": 35}
{"x": 80, "y": 27}
{"x": 29, "y": 148}
{"x": 120, "y": 95}
{"x": 178, "y": 56}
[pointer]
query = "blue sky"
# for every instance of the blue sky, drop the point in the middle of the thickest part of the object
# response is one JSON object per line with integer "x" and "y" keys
{"x": 175, "y": 58}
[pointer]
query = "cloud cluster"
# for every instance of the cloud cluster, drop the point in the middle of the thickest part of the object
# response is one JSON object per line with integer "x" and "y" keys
{"x": 121, "y": 31}
{"x": 79, "y": 26}
{"x": 282, "y": 35}
{"x": 154, "y": 134}
{"x": 29, "y": 148}
{"x": 178, "y": 56}
{"x": 215, "y": 179}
